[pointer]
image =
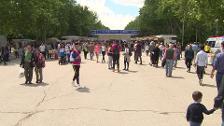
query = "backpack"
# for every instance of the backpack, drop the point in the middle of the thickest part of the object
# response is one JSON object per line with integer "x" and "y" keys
{"x": 40, "y": 60}
{"x": 75, "y": 57}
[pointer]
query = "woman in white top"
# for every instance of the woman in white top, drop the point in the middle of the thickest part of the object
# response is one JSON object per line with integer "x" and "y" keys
{"x": 127, "y": 57}
{"x": 103, "y": 49}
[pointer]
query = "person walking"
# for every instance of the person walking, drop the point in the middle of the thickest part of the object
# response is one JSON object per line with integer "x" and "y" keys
{"x": 201, "y": 61}
{"x": 103, "y": 50}
{"x": 155, "y": 56}
{"x": 218, "y": 66}
{"x": 127, "y": 57}
{"x": 85, "y": 50}
{"x": 189, "y": 56}
{"x": 67, "y": 51}
{"x": 76, "y": 61}
{"x": 39, "y": 65}
{"x": 91, "y": 50}
{"x": 28, "y": 62}
{"x": 116, "y": 49}
{"x": 62, "y": 55}
{"x": 97, "y": 49}
{"x": 138, "y": 53}
{"x": 43, "y": 49}
{"x": 169, "y": 59}
{"x": 175, "y": 55}
{"x": 196, "y": 110}
{"x": 147, "y": 49}
{"x": 110, "y": 57}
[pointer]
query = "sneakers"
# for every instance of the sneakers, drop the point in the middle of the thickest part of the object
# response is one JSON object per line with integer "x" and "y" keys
{"x": 74, "y": 84}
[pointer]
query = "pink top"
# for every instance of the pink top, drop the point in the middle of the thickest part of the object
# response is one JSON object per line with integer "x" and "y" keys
{"x": 97, "y": 49}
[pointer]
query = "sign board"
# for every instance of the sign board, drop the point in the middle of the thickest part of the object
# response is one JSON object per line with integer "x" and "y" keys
{"x": 115, "y": 32}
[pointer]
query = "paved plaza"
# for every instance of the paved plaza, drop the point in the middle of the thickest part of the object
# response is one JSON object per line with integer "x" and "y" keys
{"x": 141, "y": 97}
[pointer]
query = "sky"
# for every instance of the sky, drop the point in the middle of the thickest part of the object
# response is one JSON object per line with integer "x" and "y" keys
{"x": 115, "y": 14}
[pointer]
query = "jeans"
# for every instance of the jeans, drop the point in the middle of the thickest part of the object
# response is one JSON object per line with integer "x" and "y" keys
{"x": 200, "y": 72}
{"x": 116, "y": 61}
{"x": 194, "y": 124}
{"x": 110, "y": 62}
{"x": 76, "y": 76}
{"x": 223, "y": 116}
{"x": 103, "y": 54}
{"x": 126, "y": 63}
{"x": 218, "y": 80}
{"x": 169, "y": 67}
{"x": 188, "y": 63}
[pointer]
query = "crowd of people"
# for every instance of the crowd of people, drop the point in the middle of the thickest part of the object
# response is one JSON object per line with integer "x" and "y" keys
{"x": 110, "y": 52}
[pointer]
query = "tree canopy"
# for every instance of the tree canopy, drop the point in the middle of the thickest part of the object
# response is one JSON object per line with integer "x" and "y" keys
{"x": 198, "y": 19}
{"x": 39, "y": 19}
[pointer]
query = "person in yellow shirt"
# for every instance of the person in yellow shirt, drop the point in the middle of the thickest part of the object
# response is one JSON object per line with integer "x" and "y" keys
{"x": 207, "y": 48}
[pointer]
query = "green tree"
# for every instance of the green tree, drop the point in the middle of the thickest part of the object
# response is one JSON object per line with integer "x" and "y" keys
{"x": 40, "y": 19}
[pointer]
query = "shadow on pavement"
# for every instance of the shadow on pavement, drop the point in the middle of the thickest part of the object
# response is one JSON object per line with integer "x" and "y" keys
{"x": 208, "y": 85}
{"x": 131, "y": 71}
{"x": 122, "y": 72}
{"x": 83, "y": 90}
{"x": 176, "y": 77}
{"x": 180, "y": 67}
{"x": 35, "y": 85}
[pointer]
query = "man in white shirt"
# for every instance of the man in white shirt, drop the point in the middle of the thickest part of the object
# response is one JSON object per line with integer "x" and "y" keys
{"x": 201, "y": 62}
{"x": 43, "y": 49}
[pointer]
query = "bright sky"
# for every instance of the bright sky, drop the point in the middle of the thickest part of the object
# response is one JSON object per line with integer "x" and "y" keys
{"x": 115, "y": 14}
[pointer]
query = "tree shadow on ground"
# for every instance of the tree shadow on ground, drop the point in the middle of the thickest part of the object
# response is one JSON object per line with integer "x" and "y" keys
{"x": 208, "y": 85}
{"x": 83, "y": 90}
{"x": 35, "y": 85}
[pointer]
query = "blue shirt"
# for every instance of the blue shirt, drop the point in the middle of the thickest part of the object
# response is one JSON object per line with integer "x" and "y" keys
{"x": 219, "y": 63}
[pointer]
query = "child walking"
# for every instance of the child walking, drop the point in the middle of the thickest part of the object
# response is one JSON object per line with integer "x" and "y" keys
{"x": 195, "y": 110}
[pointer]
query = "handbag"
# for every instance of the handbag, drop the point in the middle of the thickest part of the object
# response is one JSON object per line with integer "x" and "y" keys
{"x": 21, "y": 72}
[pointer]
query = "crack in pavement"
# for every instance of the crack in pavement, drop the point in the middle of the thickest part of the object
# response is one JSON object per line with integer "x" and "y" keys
{"x": 112, "y": 110}
{"x": 30, "y": 114}
{"x": 42, "y": 100}
{"x": 14, "y": 112}
{"x": 19, "y": 123}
